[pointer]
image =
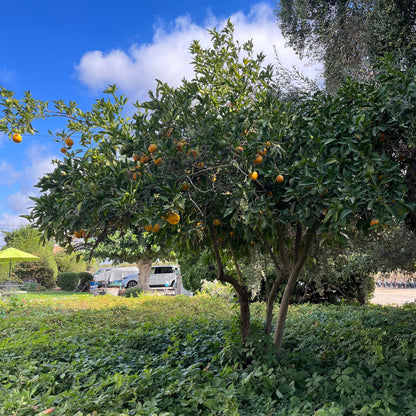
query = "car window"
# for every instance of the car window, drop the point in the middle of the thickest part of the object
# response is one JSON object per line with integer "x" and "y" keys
{"x": 166, "y": 270}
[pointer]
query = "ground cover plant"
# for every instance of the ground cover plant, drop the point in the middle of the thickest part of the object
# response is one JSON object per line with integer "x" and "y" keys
{"x": 153, "y": 355}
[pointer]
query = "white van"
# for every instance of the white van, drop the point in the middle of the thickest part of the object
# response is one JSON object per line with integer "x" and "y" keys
{"x": 110, "y": 274}
{"x": 164, "y": 275}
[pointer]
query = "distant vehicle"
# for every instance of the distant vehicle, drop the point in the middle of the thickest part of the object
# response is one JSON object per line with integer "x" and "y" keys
{"x": 112, "y": 274}
{"x": 159, "y": 276}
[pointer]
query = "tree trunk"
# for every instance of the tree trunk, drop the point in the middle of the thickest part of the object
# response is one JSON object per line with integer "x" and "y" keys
{"x": 144, "y": 275}
{"x": 240, "y": 288}
{"x": 284, "y": 306}
{"x": 270, "y": 304}
{"x": 299, "y": 257}
{"x": 243, "y": 300}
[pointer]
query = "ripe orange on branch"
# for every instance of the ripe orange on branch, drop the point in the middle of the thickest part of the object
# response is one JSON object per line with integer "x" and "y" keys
{"x": 258, "y": 159}
{"x": 17, "y": 138}
{"x": 374, "y": 222}
{"x": 152, "y": 148}
{"x": 173, "y": 218}
{"x": 254, "y": 175}
{"x": 69, "y": 142}
{"x": 279, "y": 178}
{"x": 148, "y": 227}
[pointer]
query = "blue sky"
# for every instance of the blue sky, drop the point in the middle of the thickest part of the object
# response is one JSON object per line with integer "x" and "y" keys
{"x": 72, "y": 50}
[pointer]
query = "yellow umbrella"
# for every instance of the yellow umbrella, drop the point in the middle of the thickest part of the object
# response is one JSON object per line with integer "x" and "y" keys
{"x": 14, "y": 254}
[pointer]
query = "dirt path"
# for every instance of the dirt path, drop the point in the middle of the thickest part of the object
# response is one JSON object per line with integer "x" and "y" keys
{"x": 388, "y": 296}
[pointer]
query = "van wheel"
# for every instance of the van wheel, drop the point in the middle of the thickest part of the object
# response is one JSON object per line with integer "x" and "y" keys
{"x": 132, "y": 283}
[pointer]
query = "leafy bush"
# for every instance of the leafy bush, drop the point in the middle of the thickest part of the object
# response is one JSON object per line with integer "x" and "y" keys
{"x": 195, "y": 269}
{"x": 338, "y": 277}
{"x": 35, "y": 271}
{"x": 177, "y": 355}
{"x": 68, "y": 280}
{"x": 133, "y": 292}
{"x": 216, "y": 288}
{"x": 34, "y": 287}
{"x": 84, "y": 281}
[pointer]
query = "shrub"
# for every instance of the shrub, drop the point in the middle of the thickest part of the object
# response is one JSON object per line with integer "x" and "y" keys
{"x": 218, "y": 289}
{"x": 133, "y": 292}
{"x": 68, "y": 280}
{"x": 195, "y": 269}
{"x": 84, "y": 281}
{"x": 35, "y": 271}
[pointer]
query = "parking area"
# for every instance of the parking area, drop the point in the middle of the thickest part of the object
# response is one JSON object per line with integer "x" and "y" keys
{"x": 392, "y": 296}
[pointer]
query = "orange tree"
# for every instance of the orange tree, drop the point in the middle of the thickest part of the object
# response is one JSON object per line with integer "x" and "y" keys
{"x": 223, "y": 162}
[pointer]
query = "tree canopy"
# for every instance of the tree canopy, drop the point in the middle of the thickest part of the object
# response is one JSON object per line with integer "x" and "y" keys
{"x": 221, "y": 163}
{"x": 349, "y": 36}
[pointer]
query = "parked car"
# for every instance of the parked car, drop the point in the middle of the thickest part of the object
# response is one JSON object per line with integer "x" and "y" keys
{"x": 112, "y": 274}
{"x": 159, "y": 276}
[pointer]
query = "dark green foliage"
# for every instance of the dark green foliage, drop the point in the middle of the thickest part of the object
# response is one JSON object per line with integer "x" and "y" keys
{"x": 84, "y": 281}
{"x": 338, "y": 360}
{"x": 35, "y": 271}
{"x": 68, "y": 280}
{"x": 133, "y": 292}
{"x": 348, "y": 36}
{"x": 335, "y": 276}
{"x": 195, "y": 268}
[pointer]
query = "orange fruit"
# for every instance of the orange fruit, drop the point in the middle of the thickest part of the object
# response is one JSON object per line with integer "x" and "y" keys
{"x": 144, "y": 158}
{"x": 173, "y": 218}
{"x": 152, "y": 148}
{"x": 374, "y": 222}
{"x": 185, "y": 187}
{"x": 158, "y": 161}
{"x": 136, "y": 157}
{"x": 263, "y": 151}
{"x": 69, "y": 142}
{"x": 148, "y": 227}
{"x": 201, "y": 165}
{"x": 231, "y": 233}
{"x": 254, "y": 175}
{"x": 279, "y": 178}
{"x": 64, "y": 149}
{"x": 267, "y": 144}
{"x": 239, "y": 148}
{"x": 156, "y": 228}
{"x": 136, "y": 175}
{"x": 258, "y": 159}
{"x": 17, "y": 138}
{"x": 217, "y": 222}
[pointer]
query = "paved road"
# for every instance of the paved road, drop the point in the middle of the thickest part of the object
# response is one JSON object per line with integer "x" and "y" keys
{"x": 389, "y": 296}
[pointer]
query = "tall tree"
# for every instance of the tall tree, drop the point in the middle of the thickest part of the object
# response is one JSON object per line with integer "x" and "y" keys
{"x": 221, "y": 163}
{"x": 349, "y": 36}
{"x": 138, "y": 248}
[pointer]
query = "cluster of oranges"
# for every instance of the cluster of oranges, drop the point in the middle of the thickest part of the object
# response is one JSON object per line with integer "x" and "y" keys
{"x": 69, "y": 143}
{"x": 155, "y": 228}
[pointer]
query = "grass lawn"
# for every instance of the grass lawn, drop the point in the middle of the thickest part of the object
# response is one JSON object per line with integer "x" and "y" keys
{"x": 78, "y": 354}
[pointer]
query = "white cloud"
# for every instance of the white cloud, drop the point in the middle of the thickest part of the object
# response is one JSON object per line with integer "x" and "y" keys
{"x": 19, "y": 202}
{"x": 41, "y": 163}
{"x": 167, "y": 58}
{"x": 8, "y": 175}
